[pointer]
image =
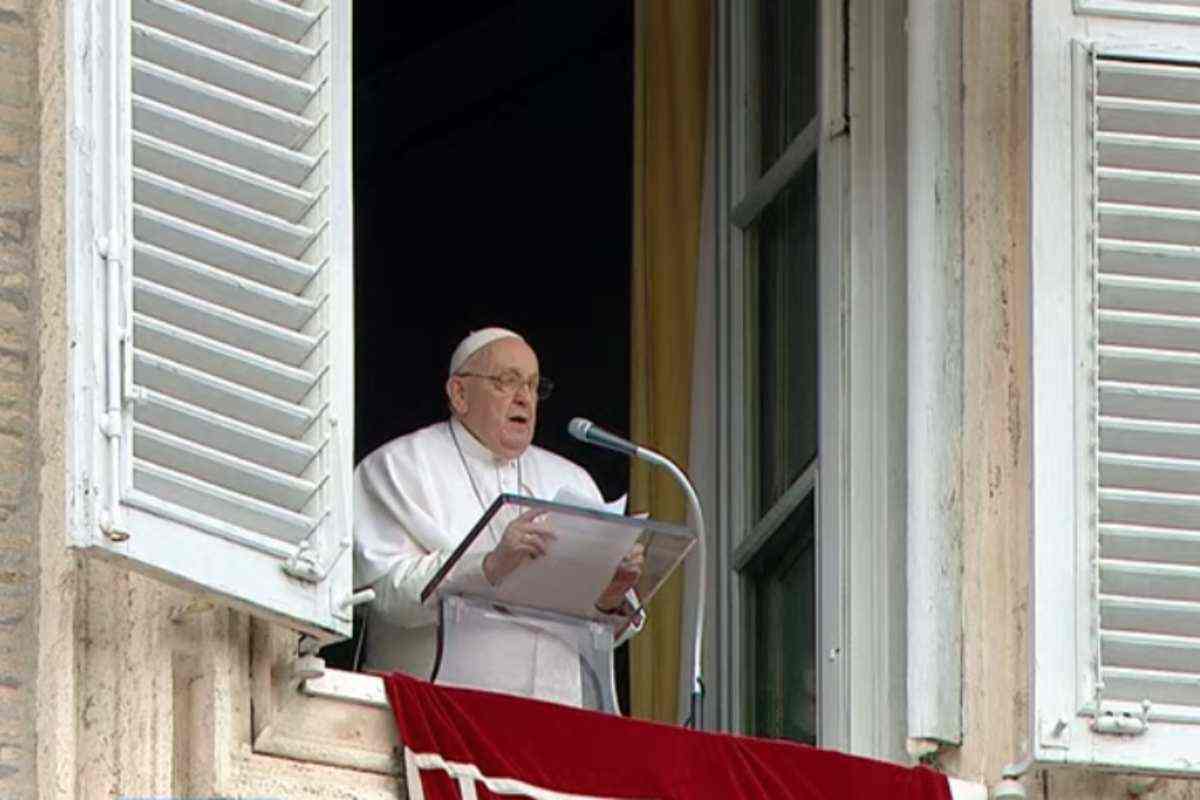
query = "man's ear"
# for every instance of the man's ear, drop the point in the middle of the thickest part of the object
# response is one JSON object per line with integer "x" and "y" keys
{"x": 456, "y": 393}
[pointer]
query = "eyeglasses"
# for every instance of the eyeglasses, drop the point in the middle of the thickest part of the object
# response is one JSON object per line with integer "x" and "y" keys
{"x": 510, "y": 382}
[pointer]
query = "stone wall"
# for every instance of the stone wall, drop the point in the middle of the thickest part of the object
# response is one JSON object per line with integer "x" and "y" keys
{"x": 18, "y": 365}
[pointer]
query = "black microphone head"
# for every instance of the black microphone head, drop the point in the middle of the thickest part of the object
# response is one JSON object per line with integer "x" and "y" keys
{"x": 579, "y": 428}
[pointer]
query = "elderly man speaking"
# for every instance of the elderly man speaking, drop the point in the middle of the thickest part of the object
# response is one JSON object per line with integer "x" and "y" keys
{"x": 418, "y": 496}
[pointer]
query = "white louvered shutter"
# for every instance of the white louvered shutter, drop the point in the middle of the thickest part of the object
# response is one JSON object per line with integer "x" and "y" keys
{"x": 1116, "y": 295}
{"x": 1147, "y": 157}
{"x": 223, "y": 331}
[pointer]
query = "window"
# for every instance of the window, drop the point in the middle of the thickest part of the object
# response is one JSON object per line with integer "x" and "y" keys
{"x": 780, "y": 218}
{"x": 209, "y": 213}
{"x": 1116, "y": 509}
{"x": 812, "y": 431}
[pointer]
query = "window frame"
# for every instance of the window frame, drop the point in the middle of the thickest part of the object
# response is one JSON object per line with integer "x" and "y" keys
{"x": 1063, "y": 610}
{"x": 861, "y": 409}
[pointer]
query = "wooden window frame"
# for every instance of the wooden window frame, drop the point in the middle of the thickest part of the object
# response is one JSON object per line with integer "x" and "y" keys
{"x": 862, "y": 415}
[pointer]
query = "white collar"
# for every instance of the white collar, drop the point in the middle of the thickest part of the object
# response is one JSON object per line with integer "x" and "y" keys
{"x": 474, "y": 449}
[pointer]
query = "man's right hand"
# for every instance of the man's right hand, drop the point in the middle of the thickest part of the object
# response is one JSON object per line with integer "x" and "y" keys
{"x": 525, "y": 537}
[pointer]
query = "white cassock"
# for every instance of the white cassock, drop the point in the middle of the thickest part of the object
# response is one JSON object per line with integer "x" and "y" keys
{"x": 416, "y": 498}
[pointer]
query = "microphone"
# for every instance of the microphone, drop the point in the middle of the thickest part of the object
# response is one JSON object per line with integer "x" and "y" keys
{"x": 587, "y": 431}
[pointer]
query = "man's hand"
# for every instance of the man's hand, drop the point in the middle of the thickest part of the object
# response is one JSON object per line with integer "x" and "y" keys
{"x": 627, "y": 574}
{"x": 525, "y": 537}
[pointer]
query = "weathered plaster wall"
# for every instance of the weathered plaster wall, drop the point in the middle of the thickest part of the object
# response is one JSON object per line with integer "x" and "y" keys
{"x": 996, "y": 471}
{"x": 18, "y": 544}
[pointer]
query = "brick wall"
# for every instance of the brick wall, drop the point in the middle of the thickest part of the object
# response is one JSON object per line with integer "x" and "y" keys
{"x": 18, "y": 549}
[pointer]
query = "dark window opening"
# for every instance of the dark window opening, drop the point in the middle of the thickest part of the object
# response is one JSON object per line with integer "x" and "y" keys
{"x": 493, "y": 151}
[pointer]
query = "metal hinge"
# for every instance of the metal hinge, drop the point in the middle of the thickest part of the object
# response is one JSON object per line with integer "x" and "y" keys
{"x": 117, "y": 379}
{"x": 1121, "y": 723}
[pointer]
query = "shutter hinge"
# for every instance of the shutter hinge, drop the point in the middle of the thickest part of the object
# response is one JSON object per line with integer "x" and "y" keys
{"x": 116, "y": 351}
{"x": 1121, "y": 723}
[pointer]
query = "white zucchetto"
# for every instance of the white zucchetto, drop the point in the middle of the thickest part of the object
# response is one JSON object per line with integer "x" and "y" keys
{"x": 476, "y": 341}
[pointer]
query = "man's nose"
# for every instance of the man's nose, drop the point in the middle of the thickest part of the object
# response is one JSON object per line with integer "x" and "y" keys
{"x": 524, "y": 393}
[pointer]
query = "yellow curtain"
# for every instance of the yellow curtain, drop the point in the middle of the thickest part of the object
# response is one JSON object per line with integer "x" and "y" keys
{"x": 670, "y": 96}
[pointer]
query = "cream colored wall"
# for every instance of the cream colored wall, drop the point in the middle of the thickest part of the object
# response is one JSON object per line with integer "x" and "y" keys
{"x": 18, "y": 545}
{"x": 996, "y": 469}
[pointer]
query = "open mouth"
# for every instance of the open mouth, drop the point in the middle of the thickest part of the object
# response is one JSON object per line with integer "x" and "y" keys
{"x": 519, "y": 419}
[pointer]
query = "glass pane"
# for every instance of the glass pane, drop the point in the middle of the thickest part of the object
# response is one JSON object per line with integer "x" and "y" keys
{"x": 787, "y": 73}
{"x": 787, "y": 337}
{"x": 785, "y": 632}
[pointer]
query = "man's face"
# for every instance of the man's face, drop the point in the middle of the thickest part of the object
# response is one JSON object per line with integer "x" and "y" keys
{"x": 503, "y": 421}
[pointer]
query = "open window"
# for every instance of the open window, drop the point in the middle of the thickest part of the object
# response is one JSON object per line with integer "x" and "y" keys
{"x": 209, "y": 218}
{"x": 811, "y": 327}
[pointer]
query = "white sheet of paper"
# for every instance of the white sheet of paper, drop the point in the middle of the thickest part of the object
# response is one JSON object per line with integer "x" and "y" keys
{"x": 579, "y": 564}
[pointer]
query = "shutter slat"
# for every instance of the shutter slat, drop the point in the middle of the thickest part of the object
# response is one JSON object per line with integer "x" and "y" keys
{"x": 1160, "y": 687}
{"x": 1159, "y": 331}
{"x": 1132, "y": 650}
{"x": 1131, "y": 543}
{"x": 217, "y": 68}
{"x": 221, "y": 469}
{"x": 1143, "y": 365}
{"x": 206, "y": 283}
{"x": 222, "y": 396}
{"x": 221, "y": 179}
{"x": 1152, "y": 117}
{"x": 1141, "y": 187}
{"x": 223, "y": 504}
{"x": 1149, "y": 259}
{"x": 1146, "y": 508}
{"x": 1142, "y": 401}
{"x": 1143, "y": 152}
{"x": 215, "y": 213}
{"x": 223, "y": 433}
{"x": 1151, "y": 437}
{"x": 200, "y": 135}
{"x": 226, "y": 35}
{"x": 242, "y": 367}
{"x": 220, "y": 105}
{"x": 211, "y": 247}
{"x": 1150, "y": 579}
{"x": 1147, "y": 223}
{"x": 223, "y": 325}
{"x": 1147, "y": 80}
{"x": 1151, "y": 473}
{"x": 1150, "y": 615}
{"x": 277, "y": 18}
{"x": 1151, "y": 295}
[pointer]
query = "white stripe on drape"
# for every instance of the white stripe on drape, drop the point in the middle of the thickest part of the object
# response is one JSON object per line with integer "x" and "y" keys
{"x": 469, "y": 774}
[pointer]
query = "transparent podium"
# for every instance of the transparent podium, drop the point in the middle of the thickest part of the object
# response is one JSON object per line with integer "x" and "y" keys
{"x": 539, "y": 633}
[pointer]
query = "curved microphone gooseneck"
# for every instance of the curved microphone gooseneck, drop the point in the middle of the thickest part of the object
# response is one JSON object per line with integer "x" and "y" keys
{"x": 586, "y": 431}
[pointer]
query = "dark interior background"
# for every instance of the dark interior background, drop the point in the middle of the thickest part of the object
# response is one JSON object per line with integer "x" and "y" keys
{"x": 493, "y": 152}
{"x": 493, "y": 185}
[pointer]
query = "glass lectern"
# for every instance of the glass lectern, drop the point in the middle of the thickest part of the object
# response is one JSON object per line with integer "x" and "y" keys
{"x": 539, "y": 633}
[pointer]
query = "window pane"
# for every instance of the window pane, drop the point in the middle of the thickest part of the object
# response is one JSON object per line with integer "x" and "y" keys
{"x": 785, "y": 631}
{"x": 787, "y": 73}
{"x": 787, "y": 337}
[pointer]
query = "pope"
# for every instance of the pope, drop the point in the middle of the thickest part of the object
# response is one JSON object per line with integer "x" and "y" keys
{"x": 419, "y": 495}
